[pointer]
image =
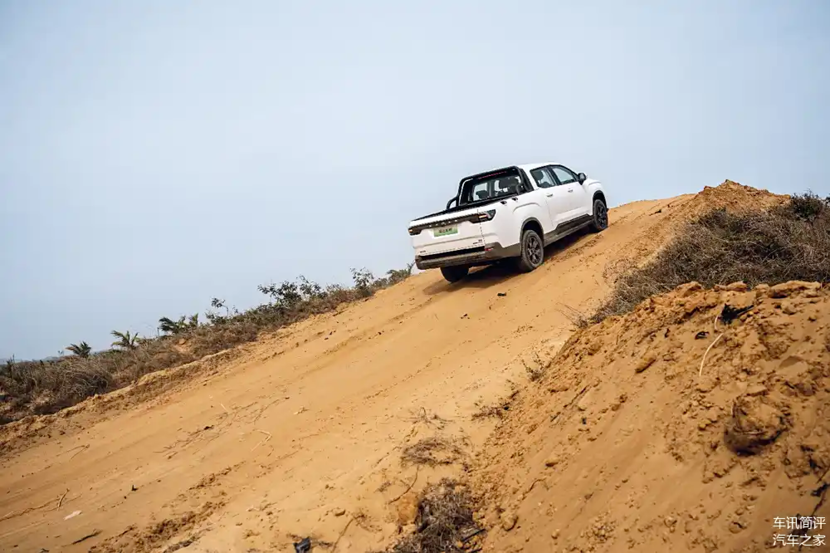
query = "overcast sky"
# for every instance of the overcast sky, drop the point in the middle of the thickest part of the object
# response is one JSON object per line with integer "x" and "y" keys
{"x": 156, "y": 154}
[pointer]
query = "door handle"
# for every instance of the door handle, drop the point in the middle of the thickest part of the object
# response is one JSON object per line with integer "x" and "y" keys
{"x": 570, "y": 190}
{"x": 549, "y": 195}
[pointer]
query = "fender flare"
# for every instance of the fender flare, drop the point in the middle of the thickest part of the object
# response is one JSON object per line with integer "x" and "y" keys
{"x": 531, "y": 220}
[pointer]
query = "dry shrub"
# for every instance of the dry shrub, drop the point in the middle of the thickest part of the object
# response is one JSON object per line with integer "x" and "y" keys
{"x": 534, "y": 371}
{"x": 790, "y": 242}
{"x": 575, "y": 316}
{"x": 127, "y": 366}
{"x": 807, "y": 207}
{"x": 46, "y": 387}
{"x": 491, "y": 411}
{"x": 422, "y": 416}
{"x": 432, "y": 451}
{"x": 445, "y": 519}
{"x": 207, "y": 340}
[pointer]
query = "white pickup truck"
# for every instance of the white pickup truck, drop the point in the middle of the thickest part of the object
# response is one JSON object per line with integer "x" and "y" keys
{"x": 512, "y": 212}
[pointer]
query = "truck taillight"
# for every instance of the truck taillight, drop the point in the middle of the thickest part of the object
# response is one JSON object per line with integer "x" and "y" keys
{"x": 485, "y": 216}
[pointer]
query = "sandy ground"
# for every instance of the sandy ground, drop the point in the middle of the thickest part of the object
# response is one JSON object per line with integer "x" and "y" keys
{"x": 301, "y": 434}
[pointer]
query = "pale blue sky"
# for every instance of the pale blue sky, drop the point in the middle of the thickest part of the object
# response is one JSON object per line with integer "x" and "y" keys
{"x": 155, "y": 154}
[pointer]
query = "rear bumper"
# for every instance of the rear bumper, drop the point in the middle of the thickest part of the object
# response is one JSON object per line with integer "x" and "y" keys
{"x": 474, "y": 256}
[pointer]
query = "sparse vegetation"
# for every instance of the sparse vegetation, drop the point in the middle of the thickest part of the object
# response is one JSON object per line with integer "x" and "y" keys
{"x": 42, "y": 387}
{"x": 444, "y": 523}
{"x": 789, "y": 242}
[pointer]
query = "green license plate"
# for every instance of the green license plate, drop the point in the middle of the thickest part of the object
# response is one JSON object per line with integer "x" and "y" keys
{"x": 445, "y": 231}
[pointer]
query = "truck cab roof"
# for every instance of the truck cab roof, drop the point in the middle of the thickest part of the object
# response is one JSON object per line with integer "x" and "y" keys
{"x": 531, "y": 166}
{"x": 526, "y": 167}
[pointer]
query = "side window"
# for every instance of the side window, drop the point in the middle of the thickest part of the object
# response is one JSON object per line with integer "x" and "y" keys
{"x": 507, "y": 185}
{"x": 480, "y": 191}
{"x": 543, "y": 177}
{"x": 563, "y": 175}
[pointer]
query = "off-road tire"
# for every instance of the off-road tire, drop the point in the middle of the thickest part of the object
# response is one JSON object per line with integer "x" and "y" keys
{"x": 532, "y": 251}
{"x": 454, "y": 274}
{"x": 600, "y": 217}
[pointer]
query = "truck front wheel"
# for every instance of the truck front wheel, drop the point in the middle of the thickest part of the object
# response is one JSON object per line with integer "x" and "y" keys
{"x": 600, "y": 222}
{"x": 454, "y": 274}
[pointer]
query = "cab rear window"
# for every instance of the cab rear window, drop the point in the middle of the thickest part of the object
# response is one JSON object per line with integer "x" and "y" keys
{"x": 490, "y": 186}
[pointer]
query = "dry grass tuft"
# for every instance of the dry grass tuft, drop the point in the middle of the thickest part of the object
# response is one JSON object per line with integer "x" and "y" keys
{"x": 534, "y": 371}
{"x": 491, "y": 411}
{"x": 432, "y": 451}
{"x": 575, "y": 316}
{"x": 445, "y": 520}
{"x": 422, "y": 416}
{"x": 789, "y": 242}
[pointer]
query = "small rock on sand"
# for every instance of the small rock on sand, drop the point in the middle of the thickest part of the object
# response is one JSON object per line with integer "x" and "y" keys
{"x": 645, "y": 363}
{"x": 552, "y": 461}
{"x": 508, "y": 520}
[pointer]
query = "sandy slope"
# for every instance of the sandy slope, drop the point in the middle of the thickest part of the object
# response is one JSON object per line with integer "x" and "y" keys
{"x": 631, "y": 442}
{"x": 301, "y": 434}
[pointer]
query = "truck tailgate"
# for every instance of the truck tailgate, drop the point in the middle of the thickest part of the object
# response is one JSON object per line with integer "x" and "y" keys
{"x": 447, "y": 233}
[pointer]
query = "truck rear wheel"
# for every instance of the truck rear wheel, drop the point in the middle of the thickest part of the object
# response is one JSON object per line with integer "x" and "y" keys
{"x": 533, "y": 251}
{"x": 454, "y": 274}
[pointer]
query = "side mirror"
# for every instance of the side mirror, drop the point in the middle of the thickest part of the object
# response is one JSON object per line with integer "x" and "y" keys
{"x": 449, "y": 203}
{"x": 581, "y": 178}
